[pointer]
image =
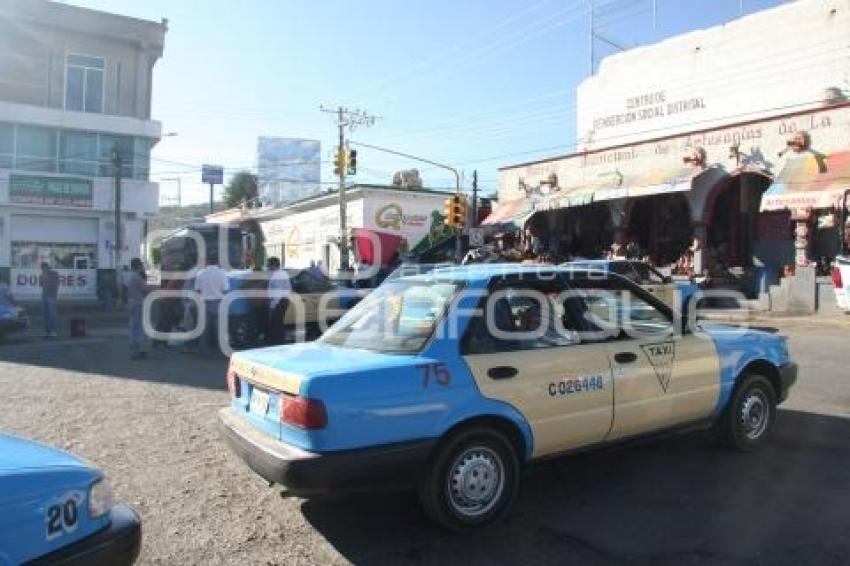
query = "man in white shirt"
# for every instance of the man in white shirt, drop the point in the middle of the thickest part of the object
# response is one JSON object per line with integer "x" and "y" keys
{"x": 278, "y": 290}
{"x": 211, "y": 283}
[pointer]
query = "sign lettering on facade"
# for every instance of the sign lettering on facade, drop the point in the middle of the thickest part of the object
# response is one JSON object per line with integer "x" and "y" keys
{"x": 55, "y": 191}
{"x": 72, "y": 282}
{"x": 653, "y": 167}
{"x": 647, "y": 107}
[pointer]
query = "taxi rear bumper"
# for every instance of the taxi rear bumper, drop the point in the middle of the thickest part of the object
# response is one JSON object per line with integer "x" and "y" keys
{"x": 307, "y": 473}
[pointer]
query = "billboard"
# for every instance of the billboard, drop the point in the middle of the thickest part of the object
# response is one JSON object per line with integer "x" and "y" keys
{"x": 288, "y": 169}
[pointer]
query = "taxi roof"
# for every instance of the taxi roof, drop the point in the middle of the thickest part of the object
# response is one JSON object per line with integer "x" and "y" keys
{"x": 486, "y": 271}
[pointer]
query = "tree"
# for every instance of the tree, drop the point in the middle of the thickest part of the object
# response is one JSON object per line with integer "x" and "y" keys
{"x": 156, "y": 255}
{"x": 241, "y": 188}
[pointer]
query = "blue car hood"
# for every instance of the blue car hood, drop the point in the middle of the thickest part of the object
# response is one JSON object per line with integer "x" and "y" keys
{"x": 315, "y": 358}
{"x": 20, "y": 454}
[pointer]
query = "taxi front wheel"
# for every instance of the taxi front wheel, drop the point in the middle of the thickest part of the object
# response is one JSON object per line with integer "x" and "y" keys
{"x": 472, "y": 479}
{"x": 749, "y": 418}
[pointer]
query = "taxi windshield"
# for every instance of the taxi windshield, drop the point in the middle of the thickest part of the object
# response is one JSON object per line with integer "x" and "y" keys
{"x": 398, "y": 317}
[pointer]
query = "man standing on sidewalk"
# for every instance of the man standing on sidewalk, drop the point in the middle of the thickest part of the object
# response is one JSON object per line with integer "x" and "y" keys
{"x": 136, "y": 291}
{"x": 49, "y": 293}
{"x": 278, "y": 290}
{"x": 212, "y": 283}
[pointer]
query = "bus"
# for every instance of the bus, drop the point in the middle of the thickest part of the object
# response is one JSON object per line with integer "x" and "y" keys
{"x": 180, "y": 249}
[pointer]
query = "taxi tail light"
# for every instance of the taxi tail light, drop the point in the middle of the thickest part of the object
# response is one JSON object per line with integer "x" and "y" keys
{"x": 836, "y": 277}
{"x": 234, "y": 385}
{"x": 303, "y": 412}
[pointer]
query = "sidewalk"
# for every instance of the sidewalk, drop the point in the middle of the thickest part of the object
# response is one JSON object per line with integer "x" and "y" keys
{"x": 745, "y": 316}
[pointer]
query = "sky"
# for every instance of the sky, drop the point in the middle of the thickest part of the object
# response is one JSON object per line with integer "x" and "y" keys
{"x": 476, "y": 84}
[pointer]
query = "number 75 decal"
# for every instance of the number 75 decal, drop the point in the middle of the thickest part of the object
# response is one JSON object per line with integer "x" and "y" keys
{"x": 440, "y": 373}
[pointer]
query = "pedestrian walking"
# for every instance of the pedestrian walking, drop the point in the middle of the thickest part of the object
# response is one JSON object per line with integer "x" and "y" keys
{"x": 278, "y": 291}
{"x": 211, "y": 283}
{"x": 49, "y": 294}
{"x": 136, "y": 290}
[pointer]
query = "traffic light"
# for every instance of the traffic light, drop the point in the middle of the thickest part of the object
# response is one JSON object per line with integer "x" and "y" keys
{"x": 449, "y": 211}
{"x": 456, "y": 211}
{"x": 340, "y": 162}
{"x": 352, "y": 162}
{"x": 460, "y": 207}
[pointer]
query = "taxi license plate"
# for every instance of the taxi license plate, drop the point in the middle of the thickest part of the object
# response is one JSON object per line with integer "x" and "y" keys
{"x": 259, "y": 402}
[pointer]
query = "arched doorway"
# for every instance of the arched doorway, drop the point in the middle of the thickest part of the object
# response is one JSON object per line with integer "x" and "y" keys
{"x": 661, "y": 226}
{"x": 731, "y": 212}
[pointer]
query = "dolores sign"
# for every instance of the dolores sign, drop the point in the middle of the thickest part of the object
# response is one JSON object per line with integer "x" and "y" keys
{"x": 26, "y": 283}
{"x": 50, "y": 190}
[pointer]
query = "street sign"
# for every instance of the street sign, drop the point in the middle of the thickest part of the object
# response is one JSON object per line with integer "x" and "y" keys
{"x": 476, "y": 237}
{"x": 212, "y": 174}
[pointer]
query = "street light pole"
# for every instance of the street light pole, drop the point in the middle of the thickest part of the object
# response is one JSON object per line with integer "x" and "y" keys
{"x": 458, "y": 245}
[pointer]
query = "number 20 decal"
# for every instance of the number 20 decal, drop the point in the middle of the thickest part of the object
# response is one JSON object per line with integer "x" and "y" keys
{"x": 63, "y": 514}
{"x": 440, "y": 373}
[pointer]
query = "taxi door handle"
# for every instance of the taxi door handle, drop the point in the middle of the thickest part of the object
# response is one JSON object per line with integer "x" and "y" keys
{"x": 625, "y": 357}
{"x": 501, "y": 372}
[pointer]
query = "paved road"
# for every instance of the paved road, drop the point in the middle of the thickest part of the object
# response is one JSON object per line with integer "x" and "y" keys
{"x": 150, "y": 426}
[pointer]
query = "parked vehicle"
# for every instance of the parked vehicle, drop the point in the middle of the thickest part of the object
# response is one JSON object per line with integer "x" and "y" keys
{"x": 12, "y": 318}
{"x": 841, "y": 282}
{"x": 417, "y": 386}
{"x": 57, "y": 509}
{"x": 662, "y": 286}
{"x": 247, "y": 314}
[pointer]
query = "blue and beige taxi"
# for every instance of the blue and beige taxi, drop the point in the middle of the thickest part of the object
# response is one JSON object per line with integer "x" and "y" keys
{"x": 454, "y": 380}
{"x": 56, "y": 509}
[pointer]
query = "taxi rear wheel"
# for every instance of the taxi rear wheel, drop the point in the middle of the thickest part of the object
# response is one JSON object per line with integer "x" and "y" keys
{"x": 472, "y": 479}
{"x": 749, "y": 418}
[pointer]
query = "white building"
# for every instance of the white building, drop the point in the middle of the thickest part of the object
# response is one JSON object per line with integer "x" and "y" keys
{"x": 307, "y": 231}
{"x": 75, "y": 87}
{"x": 738, "y": 135}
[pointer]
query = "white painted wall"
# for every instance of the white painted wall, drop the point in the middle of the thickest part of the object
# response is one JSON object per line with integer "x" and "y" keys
{"x": 770, "y": 62}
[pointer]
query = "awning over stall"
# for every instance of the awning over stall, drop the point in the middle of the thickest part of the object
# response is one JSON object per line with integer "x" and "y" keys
{"x": 615, "y": 185}
{"x": 514, "y": 212}
{"x": 809, "y": 181}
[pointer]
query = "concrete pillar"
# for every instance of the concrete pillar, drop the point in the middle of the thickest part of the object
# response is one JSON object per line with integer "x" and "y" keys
{"x": 698, "y": 246}
{"x": 801, "y": 242}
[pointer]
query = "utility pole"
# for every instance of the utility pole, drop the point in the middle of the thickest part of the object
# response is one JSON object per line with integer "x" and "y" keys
{"x": 474, "y": 221}
{"x": 117, "y": 163}
{"x": 350, "y": 119}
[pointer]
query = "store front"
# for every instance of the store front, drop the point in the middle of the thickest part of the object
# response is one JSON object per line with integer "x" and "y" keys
{"x": 583, "y": 231}
{"x": 661, "y": 227}
{"x": 69, "y": 245}
{"x": 731, "y": 218}
{"x": 702, "y": 190}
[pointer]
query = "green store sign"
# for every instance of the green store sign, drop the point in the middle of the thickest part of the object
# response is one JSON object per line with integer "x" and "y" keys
{"x": 50, "y": 190}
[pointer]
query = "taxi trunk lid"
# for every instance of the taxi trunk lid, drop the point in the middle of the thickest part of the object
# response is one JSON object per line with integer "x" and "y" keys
{"x": 269, "y": 377}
